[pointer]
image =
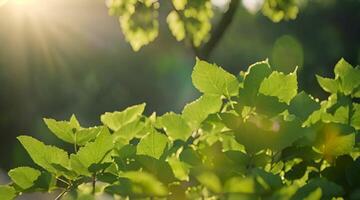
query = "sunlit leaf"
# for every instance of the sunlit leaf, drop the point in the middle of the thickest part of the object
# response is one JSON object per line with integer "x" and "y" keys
{"x": 175, "y": 126}
{"x": 116, "y": 120}
{"x": 197, "y": 111}
{"x": 154, "y": 145}
{"x": 211, "y": 79}
{"x": 7, "y": 192}
{"x": 280, "y": 85}
{"x": 24, "y": 177}
{"x": 44, "y": 155}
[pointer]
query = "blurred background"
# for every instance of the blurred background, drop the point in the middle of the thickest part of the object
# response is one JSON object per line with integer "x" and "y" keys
{"x": 59, "y": 57}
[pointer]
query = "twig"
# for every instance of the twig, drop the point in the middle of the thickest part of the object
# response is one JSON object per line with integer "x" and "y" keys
{"x": 61, "y": 194}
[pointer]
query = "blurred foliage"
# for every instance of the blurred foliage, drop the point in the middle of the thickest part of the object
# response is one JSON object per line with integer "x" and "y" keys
{"x": 229, "y": 144}
{"x": 190, "y": 20}
{"x": 278, "y": 10}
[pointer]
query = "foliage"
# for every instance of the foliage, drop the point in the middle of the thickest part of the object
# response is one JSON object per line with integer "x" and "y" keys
{"x": 189, "y": 20}
{"x": 251, "y": 136}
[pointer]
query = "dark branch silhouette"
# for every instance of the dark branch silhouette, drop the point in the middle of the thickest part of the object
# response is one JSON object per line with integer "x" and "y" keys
{"x": 205, "y": 51}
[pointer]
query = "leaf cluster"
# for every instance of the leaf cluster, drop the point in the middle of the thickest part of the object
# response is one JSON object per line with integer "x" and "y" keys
{"x": 188, "y": 20}
{"x": 249, "y": 136}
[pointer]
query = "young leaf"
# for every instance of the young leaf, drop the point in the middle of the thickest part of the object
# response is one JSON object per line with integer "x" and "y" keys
{"x": 87, "y": 134}
{"x": 328, "y": 84}
{"x": 211, "y": 79}
{"x": 349, "y": 76}
{"x": 7, "y": 192}
{"x": 24, "y": 177}
{"x": 116, "y": 120}
{"x": 253, "y": 78}
{"x": 130, "y": 130}
{"x": 197, "y": 111}
{"x": 302, "y": 105}
{"x": 63, "y": 129}
{"x": 335, "y": 140}
{"x": 138, "y": 184}
{"x": 175, "y": 126}
{"x": 150, "y": 185}
{"x": 181, "y": 171}
{"x": 44, "y": 155}
{"x": 280, "y": 85}
{"x": 93, "y": 152}
{"x": 153, "y": 145}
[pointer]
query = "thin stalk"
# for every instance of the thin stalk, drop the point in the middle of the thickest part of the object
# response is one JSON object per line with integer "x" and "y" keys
{"x": 61, "y": 194}
{"x": 93, "y": 184}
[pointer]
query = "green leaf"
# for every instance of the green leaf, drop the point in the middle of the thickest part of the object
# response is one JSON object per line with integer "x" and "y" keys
{"x": 87, "y": 134}
{"x": 355, "y": 120}
{"x": 175, "y": 126}
{"x": 45, "y": 182}
{"x": 44, "y": 155}
{"x": 159, "y": 168}
{"x": 130, "y": 130}
{"x": 146, "y": 184}
{"x": 245, "y": 185}
{"x": 280, "y": 85}
{"x": 268, "y": 105}
{"x": 116, "y": 120}
{"x": 64, "y": 129}
{"x": 190, "y": 157}
{"x": 211, "y": 79}
{"x": 260, "y": 133}
{"x": 335, "y": 140}
{"x": 7, "y": 192}
{"x": 181, "y": 171}
{"x": 302, "y": 105}
{"x": 253, "y": 78}
{"x": 141, "y": 26}
{"x": 329, "y": 189}
{"x": 24, "y": 177}
{"x": 349, "y": 77}
{"x": 336, "y": 145}
{"x": 297, "y": 171}
{"x": 197, "y": 111}
{"x": 328, "y": 84}
{"x": 92, "y": 153}
{"x": 267, "y": 180}
{"x": 153, "y": 145}
{"x": 210, "y": 180}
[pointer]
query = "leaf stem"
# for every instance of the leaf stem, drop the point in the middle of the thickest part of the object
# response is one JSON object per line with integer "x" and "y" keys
{"x": 93, "y": 184}
{"x": 350, "y": 114}
{"x": 62, "y": 180}
{"x": 75, "y": 142}
{"x": 61, "y": 194}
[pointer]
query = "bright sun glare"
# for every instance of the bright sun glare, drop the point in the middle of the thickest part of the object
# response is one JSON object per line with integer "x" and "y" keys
{"x": 37, "y": 27}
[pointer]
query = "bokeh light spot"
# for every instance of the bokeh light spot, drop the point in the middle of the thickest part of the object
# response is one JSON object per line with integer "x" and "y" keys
{"x": 287, "y": 53}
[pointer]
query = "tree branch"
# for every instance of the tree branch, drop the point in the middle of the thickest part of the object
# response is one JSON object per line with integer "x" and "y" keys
{"x": 219, "y": 30}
